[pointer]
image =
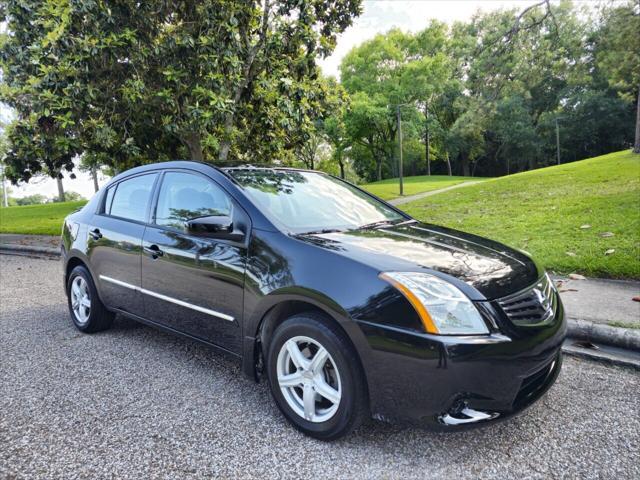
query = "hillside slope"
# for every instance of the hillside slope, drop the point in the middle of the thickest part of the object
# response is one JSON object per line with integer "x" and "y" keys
{"x": 569, "y": 217}
{"x": 36, "y": 219}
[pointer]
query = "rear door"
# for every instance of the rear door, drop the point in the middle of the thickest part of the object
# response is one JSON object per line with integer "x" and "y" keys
{"x": 192, "y": 283}
{"x": 115, "y": 241}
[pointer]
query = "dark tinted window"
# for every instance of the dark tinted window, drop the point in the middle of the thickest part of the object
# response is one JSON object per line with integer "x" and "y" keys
{"x": 131, "y": 198}
{"x": 185, "y": 196}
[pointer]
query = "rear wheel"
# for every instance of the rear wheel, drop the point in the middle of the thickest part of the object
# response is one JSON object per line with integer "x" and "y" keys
{"x": 88, "y": 313}
{"x": 316, "y": 378}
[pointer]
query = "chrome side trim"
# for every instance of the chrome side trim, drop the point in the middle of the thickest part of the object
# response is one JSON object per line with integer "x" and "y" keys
{"x": 168, "y": 299}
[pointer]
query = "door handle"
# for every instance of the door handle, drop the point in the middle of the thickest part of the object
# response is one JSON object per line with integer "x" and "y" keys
{"x": 95, "y": 234}
{"x": 153, "y": 250}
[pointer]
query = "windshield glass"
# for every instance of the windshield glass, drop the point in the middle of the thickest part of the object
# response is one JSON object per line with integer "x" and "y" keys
{"x": 311, "y": 202}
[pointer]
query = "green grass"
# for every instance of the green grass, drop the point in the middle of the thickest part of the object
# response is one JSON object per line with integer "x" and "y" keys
{"x": 635, "y": 325}
{"x": 542, "y": 211}
{"x": 36, "y": 219}
{"x": 388, "y": 189}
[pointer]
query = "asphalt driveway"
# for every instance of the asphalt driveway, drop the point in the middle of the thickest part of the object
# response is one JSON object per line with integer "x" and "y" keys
{"x": 136, "y": 403}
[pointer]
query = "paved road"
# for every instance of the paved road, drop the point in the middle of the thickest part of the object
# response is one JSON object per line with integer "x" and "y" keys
{"x": 136, "y": 403}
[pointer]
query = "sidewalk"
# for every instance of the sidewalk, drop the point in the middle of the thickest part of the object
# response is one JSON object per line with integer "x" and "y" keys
{"x": 598, "y": 310}
{"x": 418, "y": 196}
{"x": 602, "y": 301}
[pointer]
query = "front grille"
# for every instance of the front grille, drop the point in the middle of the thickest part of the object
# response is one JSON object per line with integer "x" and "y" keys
{"x": 534, "y": 306}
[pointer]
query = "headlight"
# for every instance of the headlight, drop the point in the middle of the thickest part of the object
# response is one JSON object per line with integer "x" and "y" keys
{"x": 443, "y": 308}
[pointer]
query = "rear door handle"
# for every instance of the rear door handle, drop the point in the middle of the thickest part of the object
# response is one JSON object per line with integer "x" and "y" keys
{"x": 153, "y": 250}
{"x": 95, "y": 234}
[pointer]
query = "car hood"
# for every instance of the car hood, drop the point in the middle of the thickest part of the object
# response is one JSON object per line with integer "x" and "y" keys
{"x": 491, "y": 268}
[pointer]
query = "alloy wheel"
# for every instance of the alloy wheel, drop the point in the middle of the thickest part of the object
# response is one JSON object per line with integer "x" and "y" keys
{"x": 80, "y": 300}
{"x": 309, "y": 379}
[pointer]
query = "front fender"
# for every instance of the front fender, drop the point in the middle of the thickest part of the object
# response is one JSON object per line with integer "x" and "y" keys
{"x": 253, "y": 321}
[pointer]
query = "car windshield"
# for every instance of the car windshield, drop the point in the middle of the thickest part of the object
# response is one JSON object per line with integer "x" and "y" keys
{"x": 306, "y": 202}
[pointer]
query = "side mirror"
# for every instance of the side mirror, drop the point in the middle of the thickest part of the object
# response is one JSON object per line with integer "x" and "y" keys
{"x": 214, "y": 226}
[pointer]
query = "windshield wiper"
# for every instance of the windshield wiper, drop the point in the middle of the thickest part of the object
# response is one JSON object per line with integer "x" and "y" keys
{"x": 380, "y": 223}
{"x": 383, "y": 223}
{"x": 318, "y": 232}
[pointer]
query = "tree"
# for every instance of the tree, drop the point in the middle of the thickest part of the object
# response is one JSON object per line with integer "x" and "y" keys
{"x": 35, "y": 199}
{"x": 618, "y": 44}
{"x": 130, "y": 82}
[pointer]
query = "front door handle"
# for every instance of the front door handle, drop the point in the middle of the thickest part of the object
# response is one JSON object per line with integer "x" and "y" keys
{"x": 95, "y": 234}
{"x": 153, "y": 250}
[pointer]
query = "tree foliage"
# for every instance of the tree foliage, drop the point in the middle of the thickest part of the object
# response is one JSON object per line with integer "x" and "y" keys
{"x": 484, "y": 96}
{"x": 130, "y": 82}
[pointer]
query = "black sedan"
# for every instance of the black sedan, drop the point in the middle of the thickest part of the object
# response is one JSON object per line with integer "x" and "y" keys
{"x": 347, "y": 306}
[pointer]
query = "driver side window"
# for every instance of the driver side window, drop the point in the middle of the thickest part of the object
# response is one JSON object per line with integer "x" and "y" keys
{"x": 185, "y": 196}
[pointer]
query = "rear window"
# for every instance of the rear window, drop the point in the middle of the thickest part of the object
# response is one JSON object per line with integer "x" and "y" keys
{"x": 131, "y": 198}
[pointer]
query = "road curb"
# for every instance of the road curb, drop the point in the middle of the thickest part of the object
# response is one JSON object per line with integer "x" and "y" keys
{"x": 627, "y": 338}
{"x": 29, "y": 249}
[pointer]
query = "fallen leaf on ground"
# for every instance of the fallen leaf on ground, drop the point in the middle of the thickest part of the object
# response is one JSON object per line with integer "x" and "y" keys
{"x": 610, "y": 251}
{"x": 577, "y": 276}
{"x": 636, "y": 299}
{"x": 607, "y": 234}
{"x": 571, "y": 254}
{"x": 568, "y": 290}
{"x": 585, "y": 226}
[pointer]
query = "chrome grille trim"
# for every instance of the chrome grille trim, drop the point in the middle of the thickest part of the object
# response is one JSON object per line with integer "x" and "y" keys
{"x": 534, "y": 306}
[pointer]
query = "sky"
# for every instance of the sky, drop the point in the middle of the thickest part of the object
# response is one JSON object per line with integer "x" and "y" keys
{"x": 378, "y": 16}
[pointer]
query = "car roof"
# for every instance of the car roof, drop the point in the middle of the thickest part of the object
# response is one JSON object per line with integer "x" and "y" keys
{"x": 266, "y": 167}
{"x": 224, "y": 170}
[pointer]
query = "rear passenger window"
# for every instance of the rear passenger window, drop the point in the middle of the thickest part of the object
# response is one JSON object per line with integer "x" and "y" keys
{"x": 131, "y": 198}
{"x": 184, "y": 196}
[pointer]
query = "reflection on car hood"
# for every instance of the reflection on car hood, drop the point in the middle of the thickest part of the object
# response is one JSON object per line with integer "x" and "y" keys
{"x": 495, "y": 270}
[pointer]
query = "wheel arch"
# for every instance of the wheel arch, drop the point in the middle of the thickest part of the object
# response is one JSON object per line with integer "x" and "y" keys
{"x": 77, "y": 258}
{"x": 281, "y": 307}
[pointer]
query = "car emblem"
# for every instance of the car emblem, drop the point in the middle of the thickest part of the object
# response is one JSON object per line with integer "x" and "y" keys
{"x": 542, "y": 299}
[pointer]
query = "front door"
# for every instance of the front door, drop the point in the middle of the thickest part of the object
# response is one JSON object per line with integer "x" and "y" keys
{"x": 192, "y": 283}
{"x": 115, "y": 242}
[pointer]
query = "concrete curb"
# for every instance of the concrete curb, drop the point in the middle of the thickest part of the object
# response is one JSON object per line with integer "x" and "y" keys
{"x": 627, "y": 338}
{"x": 29, "y": 249}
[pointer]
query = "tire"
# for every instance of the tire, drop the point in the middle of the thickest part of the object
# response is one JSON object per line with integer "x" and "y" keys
{"x": 339, "y": 376}
{"x": 87, "y": 311}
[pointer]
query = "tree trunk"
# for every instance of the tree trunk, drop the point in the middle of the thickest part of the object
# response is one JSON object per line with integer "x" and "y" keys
{"x": 94, "y": 175}
{"x": 379, "y": 169}
{"x": 464, "y": 162}
{"x": 341, "y": 164}
{"x": 192, "y": 140}
{"x": 448, "y": 164}
{"x": 636, "y": 145}
{"x": 225, "y": 144}
{"x": 60, "y": 187}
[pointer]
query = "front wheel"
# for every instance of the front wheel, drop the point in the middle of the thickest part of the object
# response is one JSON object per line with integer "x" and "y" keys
{"x": 315, "y": 377}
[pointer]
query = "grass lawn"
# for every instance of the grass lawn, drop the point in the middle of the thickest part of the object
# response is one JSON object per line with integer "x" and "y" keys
{"x": 36, "y": 219}
{"x": 388, "y": 189}
{"x": 563, "y": 215}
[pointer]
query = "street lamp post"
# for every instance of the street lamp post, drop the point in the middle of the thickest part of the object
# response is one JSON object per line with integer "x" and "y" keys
{"x": 557, "y": 140}
{"x": 400, "y": 148}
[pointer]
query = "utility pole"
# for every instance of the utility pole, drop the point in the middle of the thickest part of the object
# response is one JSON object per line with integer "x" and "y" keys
{"x": 557, "y": 140}
{"x": 428, "y": 139}
{"x": 400, "y": 147}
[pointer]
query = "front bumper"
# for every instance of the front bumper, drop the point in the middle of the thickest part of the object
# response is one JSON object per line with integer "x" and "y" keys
{"x": 459, "y": 381}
